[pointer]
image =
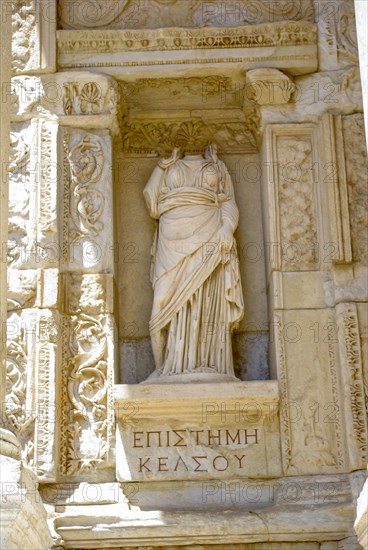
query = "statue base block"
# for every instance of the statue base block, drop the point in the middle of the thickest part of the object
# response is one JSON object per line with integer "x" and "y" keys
{"x": 197, "y": 431}
{"x": 190, "y": 378}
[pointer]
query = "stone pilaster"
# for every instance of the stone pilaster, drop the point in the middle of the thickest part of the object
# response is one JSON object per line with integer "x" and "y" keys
{"x": 23, "y": 516}
{"x": 62, "y": 264}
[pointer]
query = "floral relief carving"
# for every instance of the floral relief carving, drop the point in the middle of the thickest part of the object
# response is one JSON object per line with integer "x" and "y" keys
{"x": 87, "y": 387}
{"x": 298, "y": 223}
{"x": 16, "y": 373}
{"x": 89, "y": 98}
{"x": 86, "y": 161}
{"x": 48, "y": 340}
{"x": 32, "y": 192}
{"x": 18, "y": 401}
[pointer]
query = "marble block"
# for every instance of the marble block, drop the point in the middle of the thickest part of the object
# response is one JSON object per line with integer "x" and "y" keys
{"x": 201, "y": 431}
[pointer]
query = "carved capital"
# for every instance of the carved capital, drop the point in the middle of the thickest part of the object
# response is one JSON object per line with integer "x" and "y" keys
{"x": 268, "y": 87}
{"x": 66, "y": 94}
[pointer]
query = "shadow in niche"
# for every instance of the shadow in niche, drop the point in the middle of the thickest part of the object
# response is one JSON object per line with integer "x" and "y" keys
{"x": 250, "y": 353}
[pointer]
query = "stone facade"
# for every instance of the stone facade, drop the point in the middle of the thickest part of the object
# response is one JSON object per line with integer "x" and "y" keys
{"x": 92, "y": 458}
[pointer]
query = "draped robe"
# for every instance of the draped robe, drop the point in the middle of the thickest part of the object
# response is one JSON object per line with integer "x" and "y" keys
{"x": 198, "y": 298}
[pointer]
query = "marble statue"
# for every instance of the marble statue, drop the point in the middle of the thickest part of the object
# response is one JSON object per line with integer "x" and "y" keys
{"x": 198, "y": 298}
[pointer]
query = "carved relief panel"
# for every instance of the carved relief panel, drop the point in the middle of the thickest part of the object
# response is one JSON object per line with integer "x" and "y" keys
{"x": 293, "y": 197}
{"x": 33, "y": 173}
{"x": 323, "y": 412}
{"x": 33, "y": 348}
{"x": 88, "y": 215}
{"x": 87, "y": 386}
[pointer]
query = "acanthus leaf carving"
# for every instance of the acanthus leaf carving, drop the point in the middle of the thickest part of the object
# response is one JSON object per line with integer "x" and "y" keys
{"x": 89, "y": 98}
{"x": 160, "y": 136}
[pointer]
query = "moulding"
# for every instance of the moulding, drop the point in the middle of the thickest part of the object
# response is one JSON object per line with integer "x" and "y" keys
{"x": 289, "y": 45}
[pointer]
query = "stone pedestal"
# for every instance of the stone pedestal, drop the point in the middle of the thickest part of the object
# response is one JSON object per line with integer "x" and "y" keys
{"x": 197, "y": 432}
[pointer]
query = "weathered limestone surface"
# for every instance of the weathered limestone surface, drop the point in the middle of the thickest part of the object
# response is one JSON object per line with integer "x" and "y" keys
{"x": 255, "y": 464}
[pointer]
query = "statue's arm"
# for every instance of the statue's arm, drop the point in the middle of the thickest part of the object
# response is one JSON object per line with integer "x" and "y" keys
{"x": 229, "y": 209}
{"x": 152, "y": 190}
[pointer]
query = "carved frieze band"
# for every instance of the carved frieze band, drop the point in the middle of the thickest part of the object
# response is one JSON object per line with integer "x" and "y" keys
{"x": 286, "y": 33}
{"x": 119, "y": 14}
{"x": 356, "y": 165}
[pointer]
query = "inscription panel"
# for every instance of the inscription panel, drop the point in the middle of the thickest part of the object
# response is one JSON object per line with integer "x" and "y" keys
{"x": 209, "y": 438}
